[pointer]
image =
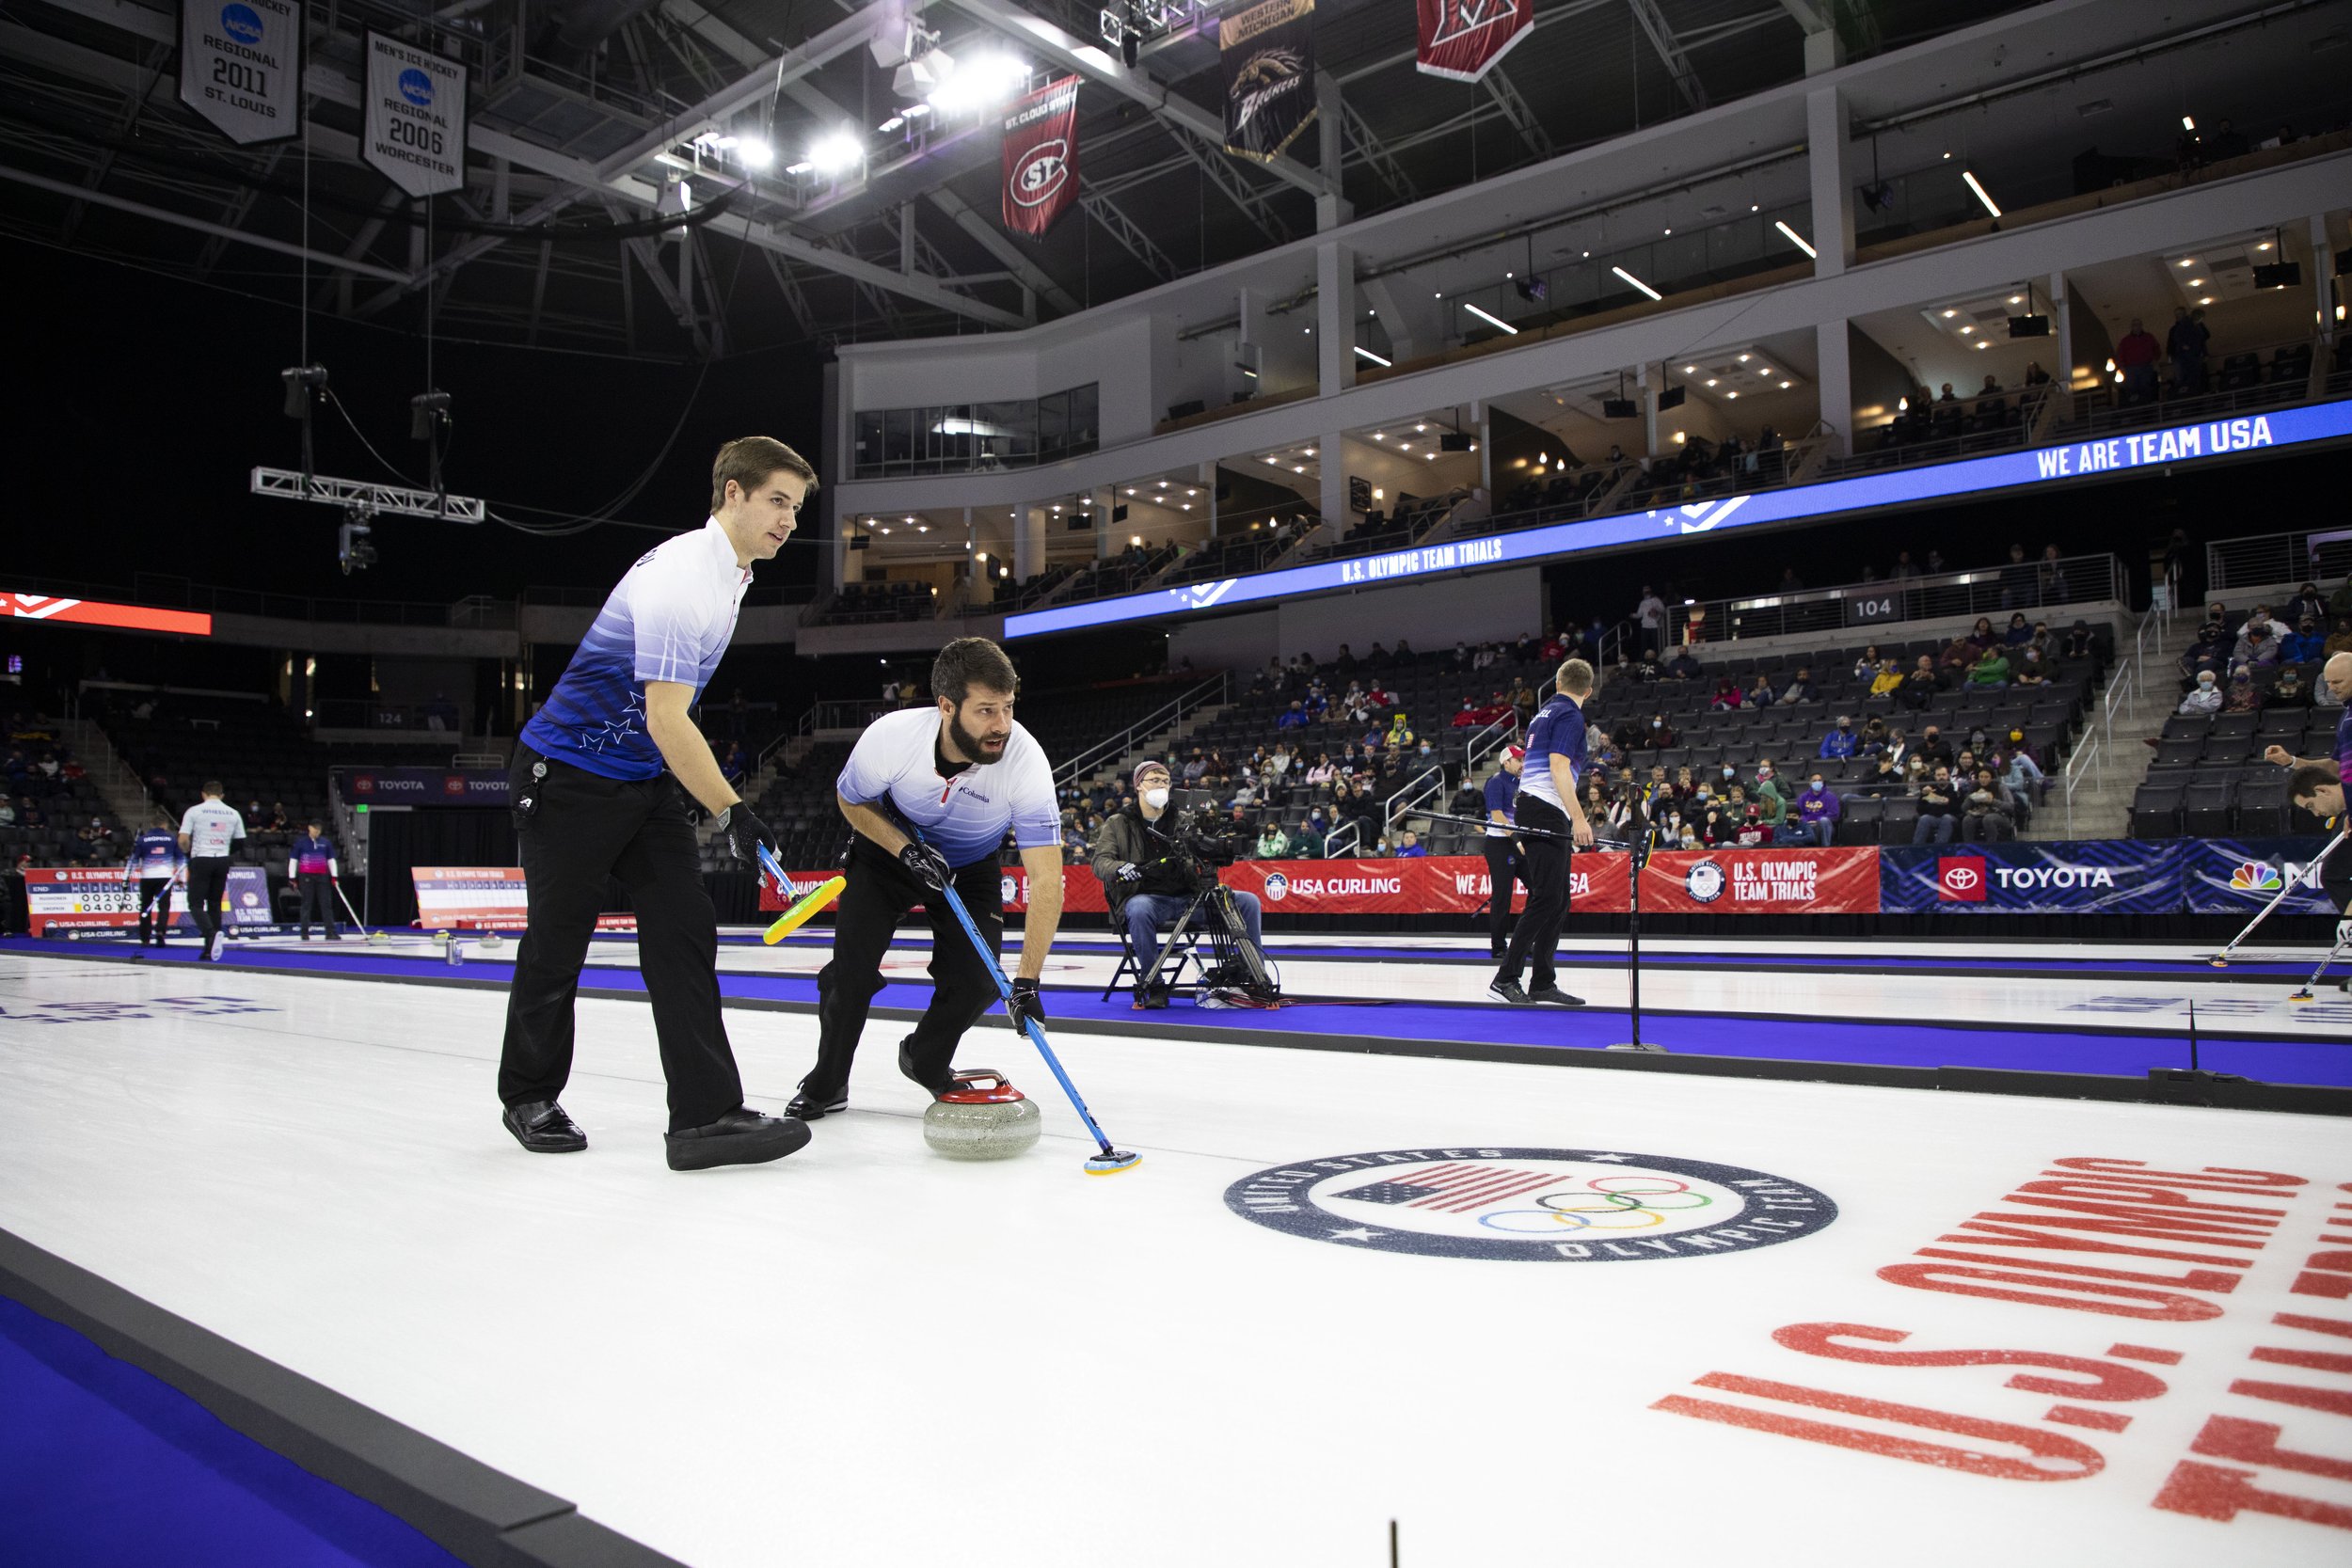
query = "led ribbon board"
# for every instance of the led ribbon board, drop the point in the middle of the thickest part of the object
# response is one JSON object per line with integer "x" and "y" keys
{"x": 97, "y": 612}
{"x": 2042, "y": 468}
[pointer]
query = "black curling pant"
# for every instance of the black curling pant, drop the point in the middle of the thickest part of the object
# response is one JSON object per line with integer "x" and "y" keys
{"x": 879, "y": 891}
{"x": 1503, "y": 870}
{"x": 1546, "y": 868}
{"x": 580, "y": 828}
{"x": 208, "y": 890}
{"x": 154, "y": 922}
{"x": 318, "y": 889}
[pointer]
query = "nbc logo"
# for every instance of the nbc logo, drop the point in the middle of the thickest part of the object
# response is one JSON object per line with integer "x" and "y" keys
{"x": 2253, "y": 877}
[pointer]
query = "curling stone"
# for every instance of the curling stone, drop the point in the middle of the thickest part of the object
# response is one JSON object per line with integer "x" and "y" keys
{"x": 440, "y": 939}
{"x": 491, "y": 938}
{"x": 982, "y": 1117}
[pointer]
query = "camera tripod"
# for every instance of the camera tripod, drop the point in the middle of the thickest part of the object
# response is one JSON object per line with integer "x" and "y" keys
{"x": 1214, "y": 918}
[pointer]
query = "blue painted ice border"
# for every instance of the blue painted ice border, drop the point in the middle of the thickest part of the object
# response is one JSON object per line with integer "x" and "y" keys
{"x": 2041, "y": 467}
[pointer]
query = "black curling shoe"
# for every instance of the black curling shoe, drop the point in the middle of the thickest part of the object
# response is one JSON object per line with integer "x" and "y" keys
{"x": 541, "y": 1127}
{"x": 742, "y": 1138}
{"x": 809, "y": 1107}
{"x": 1557, "y": 997}
{"x": 1508, "y": 991}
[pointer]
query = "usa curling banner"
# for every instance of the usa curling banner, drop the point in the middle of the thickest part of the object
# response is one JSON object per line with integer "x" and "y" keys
{"x": 1435, "y": 884}
{"x": 1463, "y": 39}
{"x": 1270, "y": 56}
{"x": 2065, "y": 877}
{"x": 1760, "y": 881}
{"x": 1042, "y": 157}
{"x": 2238, "y": 876}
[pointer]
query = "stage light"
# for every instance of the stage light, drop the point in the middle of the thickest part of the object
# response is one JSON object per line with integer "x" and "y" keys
{"x": 837, "y": 153}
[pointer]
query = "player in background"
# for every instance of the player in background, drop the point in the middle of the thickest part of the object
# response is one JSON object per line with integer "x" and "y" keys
{"x": 207, "y": 833}
{"x": 961, "y": 771}
{"x": 155, "y": 861}
{"x": 1547, "y": 804}
{"x": 313, "y": 856}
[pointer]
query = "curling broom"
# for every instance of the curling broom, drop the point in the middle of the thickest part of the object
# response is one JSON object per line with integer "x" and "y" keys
{"x": 799, "y": 914}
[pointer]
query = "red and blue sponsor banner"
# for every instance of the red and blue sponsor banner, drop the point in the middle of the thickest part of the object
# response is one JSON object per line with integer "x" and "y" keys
{"x": 2108, "y": 876}
{"x": 2239, "y": 876}
{"x": 1798, "y": 880}
{"x": 421, "y": 786}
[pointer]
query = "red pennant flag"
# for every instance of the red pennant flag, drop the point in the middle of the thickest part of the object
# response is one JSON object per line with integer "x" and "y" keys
{"x": 1463, "y": 39}
{"x": 1042, "y": 157}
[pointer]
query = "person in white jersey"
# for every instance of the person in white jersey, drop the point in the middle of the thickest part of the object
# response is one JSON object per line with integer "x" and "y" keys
{"x": 601, "y": 784}
{"x": 961, "y": 772}
{"x": 207, "y": 834}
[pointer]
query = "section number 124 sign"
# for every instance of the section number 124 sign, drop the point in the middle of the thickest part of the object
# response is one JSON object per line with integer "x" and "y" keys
{"x": 416, "y": 118}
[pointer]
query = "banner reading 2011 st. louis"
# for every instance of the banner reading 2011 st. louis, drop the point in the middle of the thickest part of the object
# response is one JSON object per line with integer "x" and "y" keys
{"x": 241, "y": 67}
{"x": 414, "y": 110}
{"x": 1463, "y": 39}
{"x": 1042, "y": 157}
{"x": 1269, "y": 56}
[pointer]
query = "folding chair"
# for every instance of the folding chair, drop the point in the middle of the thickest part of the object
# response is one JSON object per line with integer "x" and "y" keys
{"x": 1183, "y": 942}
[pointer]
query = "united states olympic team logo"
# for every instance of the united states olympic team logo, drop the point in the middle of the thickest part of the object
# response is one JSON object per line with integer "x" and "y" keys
{"x": 1532, "y": 1204}
{"x": 1278, "y": 886}
{"x": 1705, "y": 882}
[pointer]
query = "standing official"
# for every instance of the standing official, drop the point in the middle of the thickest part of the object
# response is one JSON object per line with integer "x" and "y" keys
{"x": 960, "y": 771}
{"x": 602, "y": 781}
{"x": 1547, "y": 804}
{"x": 1501, "y": 849}
{"x": 207, "y": 833}
{"x": 313, "y": 858}
{"x": 155, "y": 861}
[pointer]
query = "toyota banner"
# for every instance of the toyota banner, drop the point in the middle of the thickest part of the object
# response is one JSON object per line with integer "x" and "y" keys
{"x": 2063, "y": 877}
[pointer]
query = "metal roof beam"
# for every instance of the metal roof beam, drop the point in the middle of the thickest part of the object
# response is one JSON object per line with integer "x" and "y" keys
{"x": 1516, "y": 111}
{"x": 1662, "y": 36}
{"x": 181, "y": 220}
{"x": 1128, "y": 234}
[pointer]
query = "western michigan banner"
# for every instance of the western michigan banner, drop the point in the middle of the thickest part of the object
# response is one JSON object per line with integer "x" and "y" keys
{"x": 1269, "y": 56}
{"x": 1463, "y": 39}
{"x": 241, "y": 67}
{"x": 1042, "y": 157}
{"x": 415, "y": 108}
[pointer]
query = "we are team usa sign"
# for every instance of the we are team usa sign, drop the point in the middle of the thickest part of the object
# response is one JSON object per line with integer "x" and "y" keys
{"x": 2042, "y": 468}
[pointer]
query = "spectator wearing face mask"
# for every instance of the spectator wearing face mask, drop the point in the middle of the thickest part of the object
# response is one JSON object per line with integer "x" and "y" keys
{"x": 2290, "y": 691}
{"x": 2256, "y": 646}
{"x": 2243, "y": 695}
{"x": 2205, "y": 698}
{"x": 1818, "y": 809}
{"x": 1840, "y": 742}
{"x": 1886, "y": 681}
{"x": 1933, "y": 748}
{"x": 2027, "y": 669}
{"x": 2022, "y": 774}
{"x": 1273, "y": 843}
{"x": 2303, "y": 645}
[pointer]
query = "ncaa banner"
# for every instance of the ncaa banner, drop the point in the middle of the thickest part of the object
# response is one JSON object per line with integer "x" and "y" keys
{"x": 413, "y": 104}
{"x": 241, "y": 67}
{"x": 2110, "y": 875}
{"x": 1270, "y": 56}
{"x": 2239, "y": 876}
{"x": 1761, "y": 882}
{"x": 1042, "y": 157}
{"x": 1463, "y": 39}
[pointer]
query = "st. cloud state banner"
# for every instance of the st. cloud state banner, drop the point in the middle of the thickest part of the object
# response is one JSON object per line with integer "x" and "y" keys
{"x": 1270, "y": 56}
{"x": 1041, "y": 161}
{"x": 1463, "y": 39}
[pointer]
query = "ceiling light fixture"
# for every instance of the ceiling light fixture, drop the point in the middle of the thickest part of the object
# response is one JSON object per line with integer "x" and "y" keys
{"x": 1637, "y": 282}
{"x": 1968, "y": 178}
{"x": 1490, "y": 318}
{"x": 1367, "y": 354}
{"x": 1794, "y": 238}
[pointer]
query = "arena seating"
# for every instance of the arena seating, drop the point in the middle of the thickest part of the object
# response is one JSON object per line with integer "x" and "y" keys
{"x": 66, "y": 804}
{"x": 2207, "y": 776}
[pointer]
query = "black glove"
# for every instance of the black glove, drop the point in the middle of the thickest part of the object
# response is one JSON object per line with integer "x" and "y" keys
{"x": 1026, "y": 1006}
{"x": 926, "y": 865}
{"x": 746, "y": 832}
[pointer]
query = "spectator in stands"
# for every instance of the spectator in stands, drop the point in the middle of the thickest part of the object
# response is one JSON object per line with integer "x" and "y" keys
{"x": 2018, "y": 632}
{"x": 1931, "y": 749}
{"x": 2243, "y": 695}
{"x": 2017, "y": 581}
{"x": 2303, "y": 645}
{"x": 2205, "y": 698}
{"x": 1196, "y": 766}
{"x": 1840, "y": 742}
{"x": 1868, "y": 666}
{"x": 2080, "y": 641}
{"x": 735, "y": 764}
{"x": 1947, "y": 395}
{"x": 2339, "y": 637}
{"x": 8, "y": 812}
{"x": 1990, "y": 672}
{"x": 1651, "y": 615}
{"x": 2257, "y": 647}
{"x": 1345, "y": 661}
{"x": 1873, "y": 738}
{"x": 1759, "y": 694}
{"x": 2208, "y": 654}
{"x": 1726, "y": 698}
{"x": 2289, "y": 691}
{"x": 1273, "y": 843}
{"x": 2035, "y": 375}
{"x": 1767, "y": 804}
{"x": 1377, "y": 659}
{"x": 1322, "y": 772}
{"x": 2186, "y": 343}
{"x": 2308, "y": 602}
{"x": 1939, "y": 809}
{"x": 1887, "y": 681}
{"x": 1410, "y": 848}
{"x": 2028, "y": 670}
{"x": 1682, "y": 667}
{"x": 1887, "y": 780}
{"x": 1986, "y": 814}
{"x": 2021, "y": 773}
{"x": 2137, "y": 357}
{"x": 28, "y": 814}
{"x": 1952, "y": 664}
{"x": 1814, "y": 818}
{"x": 1400, "y": 733}
{"x": 1800, "y": 687}
{"x": 1293, "y": 717}
{"x": 1312, "y": 837}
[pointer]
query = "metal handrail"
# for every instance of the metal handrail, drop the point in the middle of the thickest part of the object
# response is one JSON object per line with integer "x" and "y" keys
{"x": 2078, "y": 767}
{"x": 2297, "y": 555}
{"x": 1173, "y": 712}
{"x": 1420, "y": 787}
{"x": 1353, "y": 844}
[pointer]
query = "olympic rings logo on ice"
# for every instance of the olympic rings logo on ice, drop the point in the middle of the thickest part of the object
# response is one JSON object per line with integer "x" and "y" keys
{"x": 1546, "y": 1205}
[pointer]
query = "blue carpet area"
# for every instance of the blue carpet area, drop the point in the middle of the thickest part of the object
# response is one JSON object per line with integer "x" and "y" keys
{"x": 2270, "y": 1060}
{"x": 102, "y": 1465}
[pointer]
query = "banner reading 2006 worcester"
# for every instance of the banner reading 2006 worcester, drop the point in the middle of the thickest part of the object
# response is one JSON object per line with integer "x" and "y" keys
{"x": 414, "y": 113}
{"x": 1269, "y": 56}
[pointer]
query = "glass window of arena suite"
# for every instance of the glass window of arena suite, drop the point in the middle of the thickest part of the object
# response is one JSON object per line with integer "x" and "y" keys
{"x": 963, "y": 438}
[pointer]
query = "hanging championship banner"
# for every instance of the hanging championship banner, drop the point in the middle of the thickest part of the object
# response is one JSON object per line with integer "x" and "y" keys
{"x": 1042, "y": 157}
{"x": 415, "y": 104}
{"x": 1463, "y": 39}
{"x": 1269, "y": 56}
{"x": 241, "y": 67}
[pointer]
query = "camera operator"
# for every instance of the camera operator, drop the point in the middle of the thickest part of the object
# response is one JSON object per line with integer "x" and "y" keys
{"x": 1151, "y": 874}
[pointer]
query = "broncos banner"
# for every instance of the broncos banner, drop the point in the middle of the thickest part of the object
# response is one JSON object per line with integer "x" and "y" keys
{"x": 2238, "y": 876}
{"x": 1463, "y": 39}
{"x": 1761, "y": 882}
{"x": 1042, "y": 157}
{"x": 1270, "y": 56}
{"x": 2061, "y": 877}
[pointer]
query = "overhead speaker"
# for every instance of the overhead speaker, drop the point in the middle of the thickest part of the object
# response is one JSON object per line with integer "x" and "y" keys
{"x": 2278, "y": 275}
{"x": 1671, "y": 398}
{"x": 1619, "y": 408}
{"x": 2029, "y": 327}
{"x": 1454, "y": 440}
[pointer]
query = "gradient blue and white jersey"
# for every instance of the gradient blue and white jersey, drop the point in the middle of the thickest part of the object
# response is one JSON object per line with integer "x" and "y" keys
{"x": 154, "y": 854}
{"x": 1559, "y": 726}
{"x": 669, "y": 619}
{"x": 898, "y": 759}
